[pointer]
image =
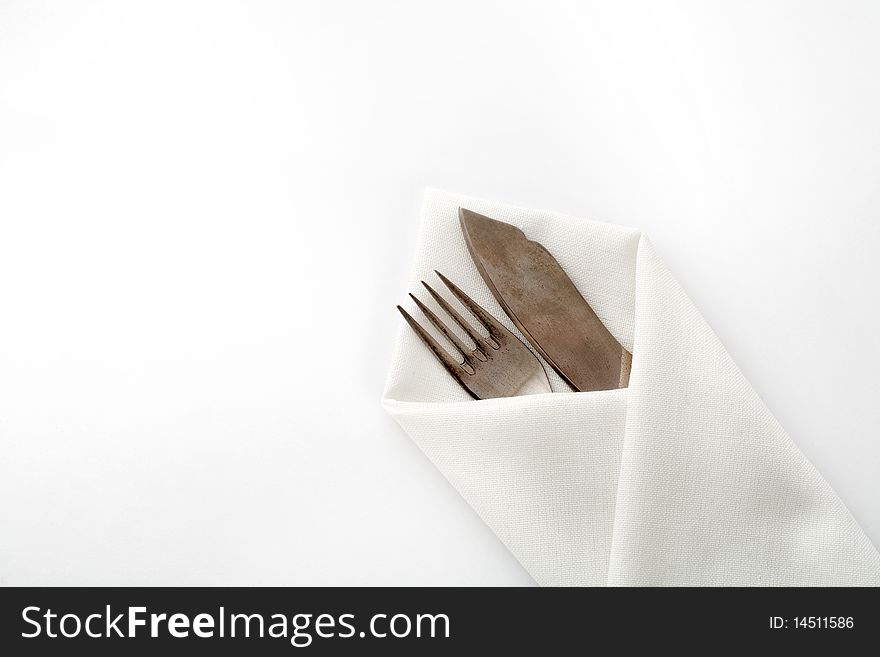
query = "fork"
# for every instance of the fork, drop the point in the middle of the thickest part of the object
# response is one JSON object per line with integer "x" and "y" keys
{"x": 500, "y": 365}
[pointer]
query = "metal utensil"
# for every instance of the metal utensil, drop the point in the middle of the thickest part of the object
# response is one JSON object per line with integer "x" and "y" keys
{"x": 500, "y": 365}
{"x": 544, "y": 304}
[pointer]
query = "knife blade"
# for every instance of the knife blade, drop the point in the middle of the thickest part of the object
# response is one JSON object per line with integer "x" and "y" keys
{"x": 544, "y": 304}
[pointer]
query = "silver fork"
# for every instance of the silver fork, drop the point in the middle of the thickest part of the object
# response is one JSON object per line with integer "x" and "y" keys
{"x": 500, "y": 366}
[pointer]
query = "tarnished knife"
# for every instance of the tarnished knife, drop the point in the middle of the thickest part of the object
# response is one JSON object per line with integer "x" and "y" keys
{"x": 545, "y": 305}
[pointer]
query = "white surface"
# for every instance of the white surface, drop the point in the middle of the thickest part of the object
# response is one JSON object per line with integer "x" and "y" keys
{"x": 208, "y": 212}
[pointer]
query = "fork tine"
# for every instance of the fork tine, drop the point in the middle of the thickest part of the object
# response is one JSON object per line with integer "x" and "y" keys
{"x": 457, "y": 369}
{"x": 495, "y": 328}
{"x": 461, "y": 321}
{"x": 436, "y": 321}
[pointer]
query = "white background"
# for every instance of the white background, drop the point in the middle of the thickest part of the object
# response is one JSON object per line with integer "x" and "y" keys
{"x": 208, "y": 210}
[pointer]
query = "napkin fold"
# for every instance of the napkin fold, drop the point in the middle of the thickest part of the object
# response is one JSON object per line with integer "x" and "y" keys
{"x": 683, "y": 478}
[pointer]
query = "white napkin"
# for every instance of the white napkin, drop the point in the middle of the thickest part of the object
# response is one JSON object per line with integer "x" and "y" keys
{"x": 684, "y": 478}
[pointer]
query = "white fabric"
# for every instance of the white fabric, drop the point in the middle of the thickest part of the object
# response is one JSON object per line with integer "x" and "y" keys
{"x": 684, "y": 478}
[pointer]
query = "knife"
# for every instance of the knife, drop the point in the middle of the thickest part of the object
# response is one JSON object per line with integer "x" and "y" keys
{"x": 544, "y": 304}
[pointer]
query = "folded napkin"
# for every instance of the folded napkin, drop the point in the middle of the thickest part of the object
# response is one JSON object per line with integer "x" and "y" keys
{"x": 683, "y": 478}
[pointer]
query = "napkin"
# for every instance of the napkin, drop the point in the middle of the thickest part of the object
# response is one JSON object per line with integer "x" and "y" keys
{"x": 683, "y": 478}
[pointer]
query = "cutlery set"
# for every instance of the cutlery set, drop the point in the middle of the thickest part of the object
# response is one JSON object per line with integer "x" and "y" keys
{"x": 541, "y": 301}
